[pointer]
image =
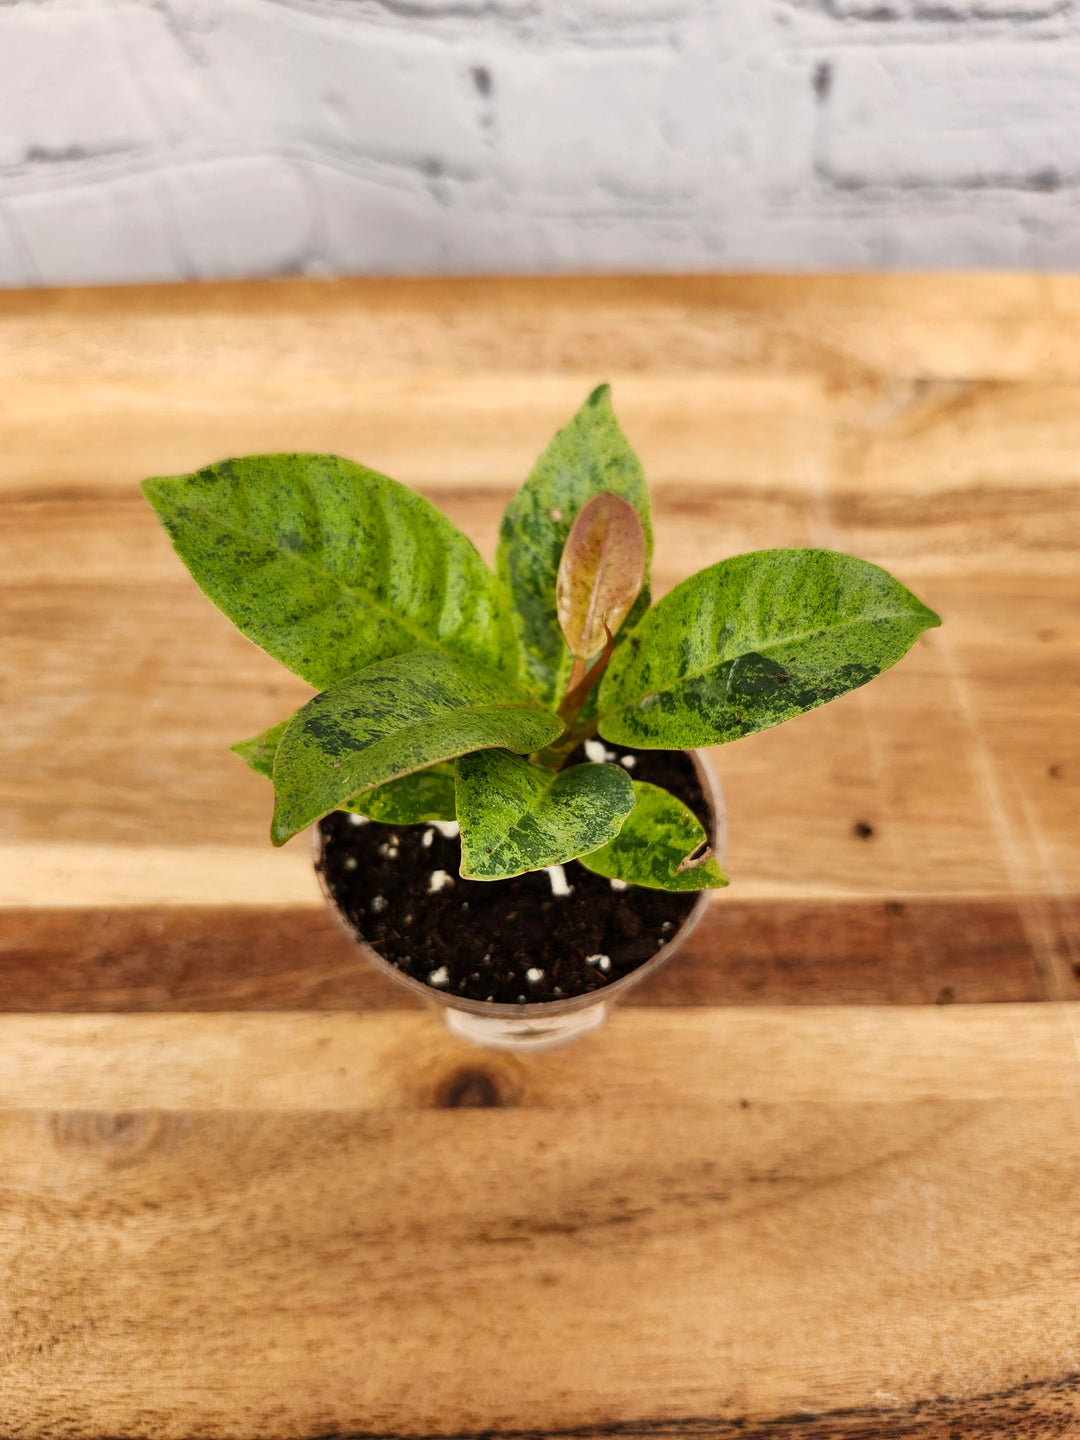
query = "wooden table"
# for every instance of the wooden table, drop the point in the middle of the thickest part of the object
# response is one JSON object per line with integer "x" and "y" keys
{"x": 821, "y": 1177}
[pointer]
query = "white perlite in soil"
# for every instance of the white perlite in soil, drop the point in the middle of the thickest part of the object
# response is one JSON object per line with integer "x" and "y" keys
{"x": 560, "y": 886}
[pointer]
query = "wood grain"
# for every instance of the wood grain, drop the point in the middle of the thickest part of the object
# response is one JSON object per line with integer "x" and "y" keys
{"x": 774, "y": 952}
{"x": 293, "y": 1226}
{"x": 940, "y": 327}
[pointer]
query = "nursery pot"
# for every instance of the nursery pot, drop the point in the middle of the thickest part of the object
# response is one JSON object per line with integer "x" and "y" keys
{"x": 537, "y": 1025}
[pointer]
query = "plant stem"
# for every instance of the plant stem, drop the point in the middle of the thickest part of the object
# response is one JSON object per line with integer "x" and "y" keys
{"x": 554, "y": 757}
{"x": 580, "y": 686}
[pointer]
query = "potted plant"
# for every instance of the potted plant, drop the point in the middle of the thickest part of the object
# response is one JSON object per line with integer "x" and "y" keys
{"x": 506, "y": 818}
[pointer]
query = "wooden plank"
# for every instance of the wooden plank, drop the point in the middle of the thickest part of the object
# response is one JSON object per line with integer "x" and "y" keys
{"x": 295, "y": 1061}
{"x": 948, "y": 327}
{"x": 203, "y": 958}
{"x": 798, "y": 1223}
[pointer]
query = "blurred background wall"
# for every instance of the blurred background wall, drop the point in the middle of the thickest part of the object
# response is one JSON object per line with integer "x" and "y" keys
{"x": 169, "y": 139}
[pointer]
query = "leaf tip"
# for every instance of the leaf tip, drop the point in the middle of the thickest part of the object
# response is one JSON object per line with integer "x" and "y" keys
{"x": 599, "y": 396}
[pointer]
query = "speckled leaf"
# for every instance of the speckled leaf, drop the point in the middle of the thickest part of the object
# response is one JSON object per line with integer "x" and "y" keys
{"x": 600, "y": 574}
{"x": 329, "y": 566}
{"x": 658, "y": 835}
{"x": 587, "y": 458}
{"x": 515, "y": 816}
{"x": 260, "y": 750}
{"x": 426, "y": 795}
{"x": 753, "y": 641}
{"x": 391, "y": 719}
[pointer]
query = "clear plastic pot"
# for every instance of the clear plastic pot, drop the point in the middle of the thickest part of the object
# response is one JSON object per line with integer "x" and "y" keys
{"x": 546, "y": 1023}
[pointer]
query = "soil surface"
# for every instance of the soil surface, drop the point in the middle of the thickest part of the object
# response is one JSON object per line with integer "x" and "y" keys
{"x": 510, "y": 941}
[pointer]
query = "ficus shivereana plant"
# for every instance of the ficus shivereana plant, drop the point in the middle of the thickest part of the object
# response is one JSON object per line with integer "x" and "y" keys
{"x": 447, "y": 691}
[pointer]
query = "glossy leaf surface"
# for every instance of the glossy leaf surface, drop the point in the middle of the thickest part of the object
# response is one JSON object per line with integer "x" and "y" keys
{"x": 753, "y": 641}
{"x": 515, "y": 816}
{"x": 426, "y": 795}
{"x": 600, "y": 574}
{"x": 658, "y": 836}
{"x": 391, "y": 719}
{"x": 586, "y": 458}
{"x": 329, "y": 566}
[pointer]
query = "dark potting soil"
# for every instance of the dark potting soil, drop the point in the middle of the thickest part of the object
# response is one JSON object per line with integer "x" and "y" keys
{"x": 487, "y": 939}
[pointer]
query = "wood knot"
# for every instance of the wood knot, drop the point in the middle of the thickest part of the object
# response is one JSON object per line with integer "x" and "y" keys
{"x": 473, "y": 1088}
{"x": 117, "y": 1137}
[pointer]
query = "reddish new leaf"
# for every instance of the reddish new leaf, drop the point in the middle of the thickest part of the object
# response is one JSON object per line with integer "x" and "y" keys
{"x": 601, "y": 573}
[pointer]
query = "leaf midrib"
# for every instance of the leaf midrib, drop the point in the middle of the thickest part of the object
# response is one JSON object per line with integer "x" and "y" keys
{"x": 750, "y": 650}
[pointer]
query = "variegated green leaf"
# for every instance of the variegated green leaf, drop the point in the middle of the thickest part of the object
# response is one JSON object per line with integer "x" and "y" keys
{"x": 426, "y": 795}
{"x": 515, "y": 816}
{"x": 260, "y": 750}
{"x": 658, "y": 836}
{"x": 753, "y": 641}
{"x": 391, "y": 719}
{"x": 586, "y": 458}
{"x": 329, "y": 566}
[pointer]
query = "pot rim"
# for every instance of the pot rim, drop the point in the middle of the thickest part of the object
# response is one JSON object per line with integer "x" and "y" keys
{"x": 535, "y": 1009}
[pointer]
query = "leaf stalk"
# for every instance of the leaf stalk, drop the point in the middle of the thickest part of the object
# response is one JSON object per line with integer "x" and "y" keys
{"x": 555, "y": 756}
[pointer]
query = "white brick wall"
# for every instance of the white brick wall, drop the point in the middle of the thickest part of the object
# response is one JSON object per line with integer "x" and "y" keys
{"x": 165, "y": 139}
